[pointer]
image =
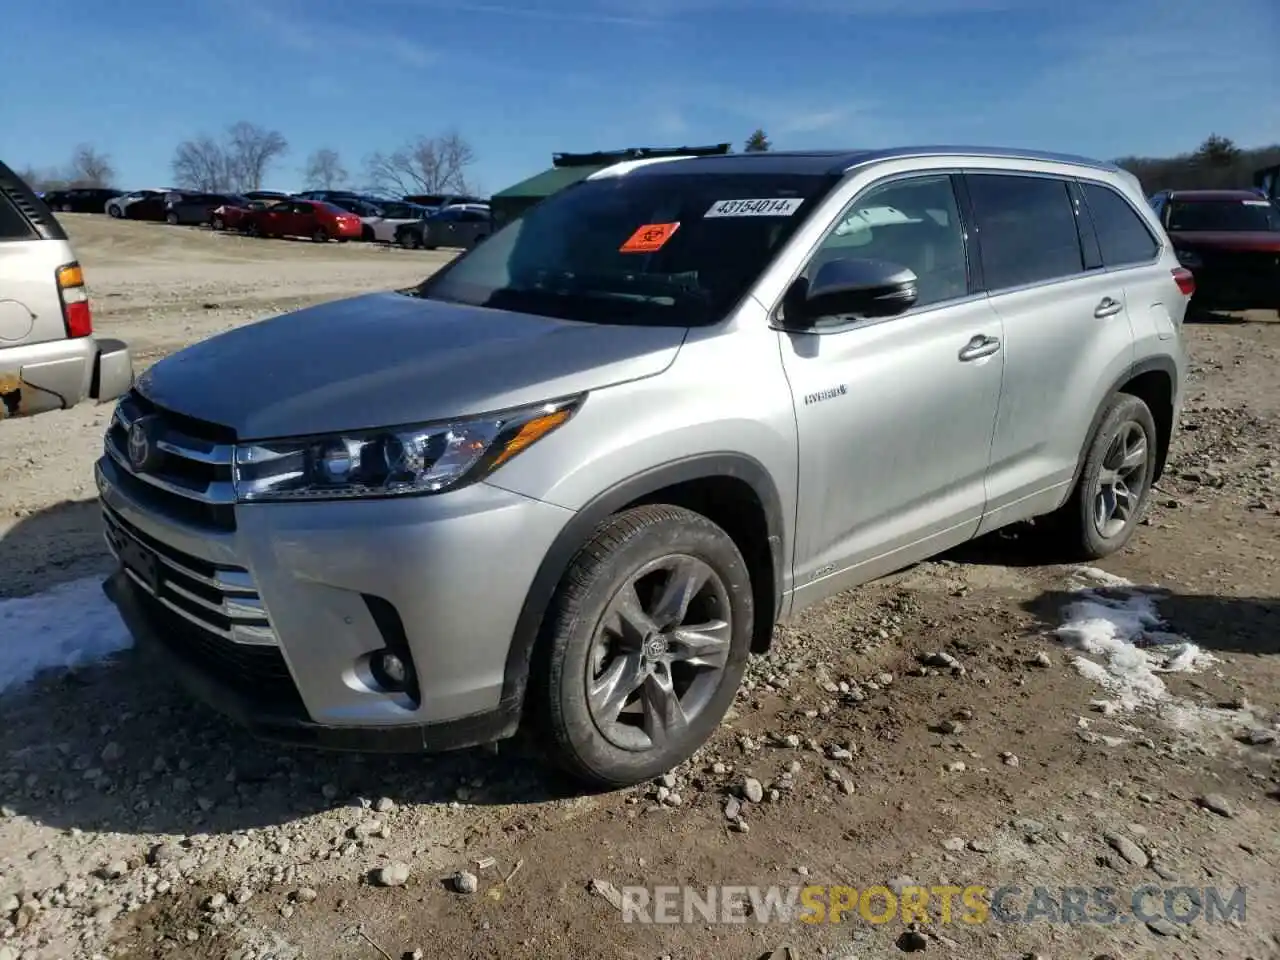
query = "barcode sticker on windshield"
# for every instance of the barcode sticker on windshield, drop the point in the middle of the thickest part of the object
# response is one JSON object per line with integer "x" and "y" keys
{"x": 1257, "y": 203}
{"x": 768, "y": 207}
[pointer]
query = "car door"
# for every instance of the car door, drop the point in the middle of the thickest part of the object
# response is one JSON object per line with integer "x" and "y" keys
{"x": 894, "y": 415}
{"x": 282, "y": 219}
{"x": 1067, "y": 335}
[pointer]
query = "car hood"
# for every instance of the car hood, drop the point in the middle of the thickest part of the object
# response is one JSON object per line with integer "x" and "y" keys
{"x": 388, "y": 358}
{"x": 1261, "y": 240}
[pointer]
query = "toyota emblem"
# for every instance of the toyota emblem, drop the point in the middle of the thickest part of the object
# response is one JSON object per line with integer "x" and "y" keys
{"x": 140, "y": 449}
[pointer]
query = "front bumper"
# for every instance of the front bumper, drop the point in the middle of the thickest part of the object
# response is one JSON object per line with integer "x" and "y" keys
{"x": 58, "y": 374}
{"x": 1246, "y": 282}
{"x": 311, "y": 591}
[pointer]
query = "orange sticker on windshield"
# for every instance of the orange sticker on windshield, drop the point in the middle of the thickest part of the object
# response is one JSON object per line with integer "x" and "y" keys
{"x": 650, "y": 237}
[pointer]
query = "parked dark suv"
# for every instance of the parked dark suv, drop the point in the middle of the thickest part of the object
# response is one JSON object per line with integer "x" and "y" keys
{"x": 80, "y": 199}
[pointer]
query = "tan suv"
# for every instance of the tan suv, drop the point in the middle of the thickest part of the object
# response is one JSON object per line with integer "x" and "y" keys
{"x": 49, "y": 358}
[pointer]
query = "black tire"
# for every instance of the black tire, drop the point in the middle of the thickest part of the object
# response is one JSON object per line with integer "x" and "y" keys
{"x": 114, "y": 212}
{"x": 409, "y": 240}
{"x": 217, "y": 223}
{"x": 171, "y": 219}
{"x": 253, "y": 230}
{"x": 320, "y": 235}
{"x": 366, "y": 234}
{"x": 623, "y": 548}
{"x": 1077, "y": 533}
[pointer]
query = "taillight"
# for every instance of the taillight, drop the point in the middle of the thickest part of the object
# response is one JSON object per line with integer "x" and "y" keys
{"x": 76, "y": 314}
{"x": 1185, "y": 279}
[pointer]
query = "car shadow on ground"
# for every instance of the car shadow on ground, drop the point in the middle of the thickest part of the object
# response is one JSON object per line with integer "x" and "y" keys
{"x": 57, "y": 545}
{"x": 119, "y": 746}
{"x": 1214, "y": 317}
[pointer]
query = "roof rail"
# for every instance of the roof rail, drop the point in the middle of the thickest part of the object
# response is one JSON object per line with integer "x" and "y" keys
{"x": 603, "y": 157}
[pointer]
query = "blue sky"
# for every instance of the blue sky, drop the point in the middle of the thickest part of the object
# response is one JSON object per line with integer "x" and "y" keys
{"x": 521, "y": 81}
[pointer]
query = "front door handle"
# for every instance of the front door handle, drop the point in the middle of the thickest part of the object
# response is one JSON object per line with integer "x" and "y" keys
{"x": 1107, "y": 308}
{"x": 979, "y": 347}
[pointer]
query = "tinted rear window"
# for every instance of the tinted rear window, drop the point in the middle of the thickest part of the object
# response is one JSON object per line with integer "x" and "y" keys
{"x": 13, "y": 225}
{"x": 648, "y": 249}
{"x": 1122, "y": 234}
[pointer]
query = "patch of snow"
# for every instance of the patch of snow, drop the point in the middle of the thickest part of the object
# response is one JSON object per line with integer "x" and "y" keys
{"x": 66, "y": 627}
{"x": 1118, "y": 631}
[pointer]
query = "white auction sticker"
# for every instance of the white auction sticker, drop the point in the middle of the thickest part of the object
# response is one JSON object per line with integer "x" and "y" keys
{"x": 768, "y": 207}
{"x": 1257, "y": 203}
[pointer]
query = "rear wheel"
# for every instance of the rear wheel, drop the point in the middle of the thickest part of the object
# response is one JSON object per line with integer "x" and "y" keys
{"x": 647, "y": 640}
{"x": 217, "y": 223}
{"x": 253, "y": 230}
{"x": 320, "y": 235}
{"x": 171, "y": 219}
{"x": 1107, "y": 503}
{"x": 409, "y": 240}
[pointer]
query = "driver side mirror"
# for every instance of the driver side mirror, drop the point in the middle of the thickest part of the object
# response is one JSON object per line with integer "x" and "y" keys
{"x": 868, "y": 289}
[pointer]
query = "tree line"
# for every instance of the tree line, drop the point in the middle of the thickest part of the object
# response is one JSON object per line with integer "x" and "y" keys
{"x": 245, "y": 155}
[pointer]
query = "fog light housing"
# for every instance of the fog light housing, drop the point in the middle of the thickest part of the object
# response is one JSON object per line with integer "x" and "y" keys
{"x": 391, "y": 673}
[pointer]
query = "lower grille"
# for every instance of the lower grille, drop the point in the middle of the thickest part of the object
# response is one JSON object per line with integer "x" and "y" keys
{"x": 210, "y": 616}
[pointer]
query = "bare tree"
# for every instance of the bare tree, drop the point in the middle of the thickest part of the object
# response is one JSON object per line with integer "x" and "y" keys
{"x": 425, "y": 165}
{"x": 201, "y": 164}
{"x": 240, "y": 162}
{"x": 250, "y": 151}
{"x": 89, "y": 168}
{"x": 324, "y": 170}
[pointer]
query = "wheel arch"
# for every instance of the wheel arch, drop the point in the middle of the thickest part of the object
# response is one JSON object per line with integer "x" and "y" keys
{"x": 731, "y": 489}
{"x": 1152, "y": 381}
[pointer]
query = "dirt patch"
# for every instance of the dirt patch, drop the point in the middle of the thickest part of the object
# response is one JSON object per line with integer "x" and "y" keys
{"x": 935, "y": 729}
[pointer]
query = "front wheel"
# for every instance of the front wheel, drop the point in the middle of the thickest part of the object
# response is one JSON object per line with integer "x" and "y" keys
{"x": 171, "y": 219}
{"x": 647, "y": 640}
{"x": 1107, "y": 503}
{"x": 320, "y": 235}
{"x": 115, "y": 213}
{"x": 217, "y": 223}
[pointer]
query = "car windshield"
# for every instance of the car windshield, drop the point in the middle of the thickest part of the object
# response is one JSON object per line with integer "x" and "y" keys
{"x": 677, "y": 249}
{"x": 1230, "y": 216}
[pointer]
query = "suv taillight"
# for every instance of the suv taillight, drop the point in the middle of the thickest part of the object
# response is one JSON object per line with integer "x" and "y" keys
{"x": 75, "y": 301}
{"x": 1185, "y": 279}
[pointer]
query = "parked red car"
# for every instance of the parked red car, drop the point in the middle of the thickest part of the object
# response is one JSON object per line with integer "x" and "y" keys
{"x": 303, "y": 218}
{"x": 1230, "y": 240}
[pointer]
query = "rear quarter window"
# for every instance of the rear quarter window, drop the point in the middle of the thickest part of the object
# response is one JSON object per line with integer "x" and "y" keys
{"x": 13, "y": 225}
{"x": 1122, "y": 235}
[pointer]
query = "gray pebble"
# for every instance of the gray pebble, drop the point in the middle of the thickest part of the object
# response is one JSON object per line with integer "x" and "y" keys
{"x": 465, "y": 882}
{"x": 1127, "y": 849}
{"x": 392, "y": 875}
{"x": 752, "y": 790}
{"x": 1216, "y": 803}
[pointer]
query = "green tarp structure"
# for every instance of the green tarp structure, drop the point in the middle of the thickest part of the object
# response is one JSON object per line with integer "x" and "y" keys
{"x": 569, "y": 168}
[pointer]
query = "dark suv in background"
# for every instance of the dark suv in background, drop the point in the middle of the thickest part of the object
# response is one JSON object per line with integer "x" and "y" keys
{"x": 80, "y": 199}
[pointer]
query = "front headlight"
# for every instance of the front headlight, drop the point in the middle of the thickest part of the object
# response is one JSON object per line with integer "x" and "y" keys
{"x": 397, "y": 461}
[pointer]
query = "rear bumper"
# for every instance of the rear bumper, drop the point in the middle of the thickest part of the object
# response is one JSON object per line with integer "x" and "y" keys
{"x": 61, "y": 373}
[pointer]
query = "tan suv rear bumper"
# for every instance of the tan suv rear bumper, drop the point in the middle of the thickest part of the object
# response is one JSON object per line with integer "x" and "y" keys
{"x": 61, "y": 373}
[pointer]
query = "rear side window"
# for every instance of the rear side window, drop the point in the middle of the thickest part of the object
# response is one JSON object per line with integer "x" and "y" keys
{"x": 1026, "y": 229}
{"x": 13, "y": 225}
{"x": 1122, "y": 235}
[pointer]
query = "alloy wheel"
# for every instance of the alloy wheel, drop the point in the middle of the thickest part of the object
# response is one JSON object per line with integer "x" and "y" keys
{"x": 658, "y": 653}
{"x": 1119, "y": 486}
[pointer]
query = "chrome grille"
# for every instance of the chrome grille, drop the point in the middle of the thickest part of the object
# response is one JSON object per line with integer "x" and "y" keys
{"x": 223, "y": 601}
{"x": 187, "y": 474}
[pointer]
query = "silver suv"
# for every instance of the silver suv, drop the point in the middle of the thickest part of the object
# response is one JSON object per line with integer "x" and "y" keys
{"x": 49, "y": 358}
{"x": 577, "y": 476}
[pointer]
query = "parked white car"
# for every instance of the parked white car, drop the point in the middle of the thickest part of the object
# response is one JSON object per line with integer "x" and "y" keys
{"x": 382, "y": 228}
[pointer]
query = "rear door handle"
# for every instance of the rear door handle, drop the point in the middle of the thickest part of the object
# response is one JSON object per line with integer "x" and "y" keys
{"x": 979, "y": 347}
{"x": 1107, "y": 308}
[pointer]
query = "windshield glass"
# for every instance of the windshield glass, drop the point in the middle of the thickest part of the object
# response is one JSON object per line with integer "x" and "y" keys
{"x": 662, "y": 249}
{"x": 1223, "y": 215}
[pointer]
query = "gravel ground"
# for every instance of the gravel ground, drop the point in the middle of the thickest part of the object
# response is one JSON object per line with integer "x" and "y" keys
{"x": 933, "y": 728}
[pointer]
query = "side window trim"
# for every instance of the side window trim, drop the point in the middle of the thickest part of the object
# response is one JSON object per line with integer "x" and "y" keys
{"x": 1086, "y": 229}
{"x": 1159, "y": 244}
{"x": 1063, "y": 181}
{"x": 965, "y": 225}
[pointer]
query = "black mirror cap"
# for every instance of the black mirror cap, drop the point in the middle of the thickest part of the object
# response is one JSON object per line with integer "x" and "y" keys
{"x": 856, "y": 287}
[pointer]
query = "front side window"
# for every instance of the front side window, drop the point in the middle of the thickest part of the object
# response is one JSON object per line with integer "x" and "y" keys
{"x": 1122, "y": 235}
{"x": 1026, "y": 228}
{"x": 656, "y": 248}
{"x": 1224, "y": 216}
{"x": 914, "y": 223}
